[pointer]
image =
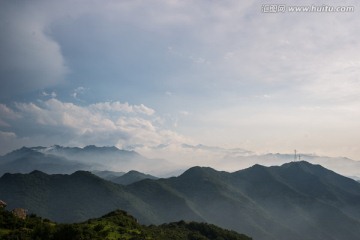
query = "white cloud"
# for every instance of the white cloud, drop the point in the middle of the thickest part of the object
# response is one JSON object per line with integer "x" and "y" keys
{"x": 122, "y": 107}
{"x": 8, "y": 113}
{"x": 50, "y": 94}
{"x": 143, "y": 109}
{"x": 78, "y": 91}
{"x": 104, "y": 123}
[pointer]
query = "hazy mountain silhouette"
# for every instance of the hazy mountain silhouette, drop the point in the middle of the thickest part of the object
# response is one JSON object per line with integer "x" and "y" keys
{"x": 131, "y": 177}
{"x": 297, "y": 200}
{"x": 107, "y": 175}
{"x": 25, "y": 160}
{"x": 341, "y": 165}
{"x": 58, "y": 159}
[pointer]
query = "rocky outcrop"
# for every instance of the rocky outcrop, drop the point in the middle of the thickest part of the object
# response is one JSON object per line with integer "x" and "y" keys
{"x": 20, "y": 213}
{"x": 2, "y": 204}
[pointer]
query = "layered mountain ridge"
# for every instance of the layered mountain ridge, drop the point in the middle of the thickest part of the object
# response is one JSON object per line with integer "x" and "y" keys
{"x": 297, "y": 200}
{"x": 65, "y": 160}
{"x": 59, "y": 159}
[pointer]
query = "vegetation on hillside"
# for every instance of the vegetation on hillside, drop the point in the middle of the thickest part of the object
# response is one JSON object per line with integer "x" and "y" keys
{"x": 113, "y": 226}
{"x": 266, "y": 203}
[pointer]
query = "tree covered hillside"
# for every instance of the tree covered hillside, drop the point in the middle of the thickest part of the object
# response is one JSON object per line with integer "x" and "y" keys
{"x": 115, "y": 225}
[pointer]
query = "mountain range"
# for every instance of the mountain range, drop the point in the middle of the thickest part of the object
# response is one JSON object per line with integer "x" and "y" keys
{"x": 342, "y": 165}
{"x": 65, "y": 160}
{"x": 105, "y": 161}
{"x": 123, "y": 178}
{"x": 296, "y": 200}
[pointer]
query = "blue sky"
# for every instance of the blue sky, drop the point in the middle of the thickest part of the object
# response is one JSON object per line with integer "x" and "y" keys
{"x": 154, "y": 75}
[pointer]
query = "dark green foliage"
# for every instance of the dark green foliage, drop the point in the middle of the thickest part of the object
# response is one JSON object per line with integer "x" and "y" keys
{"x": 193, "y": 231}
{"x": 33, "y": 227}
{"x": 113, "y": 226}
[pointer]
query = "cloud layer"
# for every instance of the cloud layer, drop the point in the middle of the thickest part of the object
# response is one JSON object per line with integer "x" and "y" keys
{"x": 106, "y": 123}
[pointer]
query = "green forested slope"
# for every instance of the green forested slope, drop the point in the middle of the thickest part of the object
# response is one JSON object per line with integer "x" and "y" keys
{"x": 297, "y": 201}
{"x": 113, "y": 226}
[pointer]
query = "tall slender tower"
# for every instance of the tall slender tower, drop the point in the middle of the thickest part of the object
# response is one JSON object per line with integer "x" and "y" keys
{"x": 295, "y": 155}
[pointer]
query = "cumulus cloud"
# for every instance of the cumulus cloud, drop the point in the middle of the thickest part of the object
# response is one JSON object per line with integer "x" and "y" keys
{"x": 7, "y": 112}
{"x": 7, "y": 115}
{"x": 104, "y": 123}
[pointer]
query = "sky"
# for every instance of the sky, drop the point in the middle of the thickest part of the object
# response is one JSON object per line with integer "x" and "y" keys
{"x": 167, "y": 78}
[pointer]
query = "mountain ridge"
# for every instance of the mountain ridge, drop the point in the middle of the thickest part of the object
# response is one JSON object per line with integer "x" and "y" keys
{"x": 131, "y": 177}
{"x": 96, "y": 158}
{"x": 263, "y": 202}
{"x": 58, "y": 159}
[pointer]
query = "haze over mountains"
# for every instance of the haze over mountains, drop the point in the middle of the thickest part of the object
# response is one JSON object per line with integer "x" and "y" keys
{"x": 58, "y": 159}
{"x": 297, "y": 200}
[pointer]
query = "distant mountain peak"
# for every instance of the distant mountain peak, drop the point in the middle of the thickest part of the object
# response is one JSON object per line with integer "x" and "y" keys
{"x": 255, "y": 167}
{"x": 83, "y": 173}
{"x": 198, "y": 171}
{"x": 60, "y": 159}
{"x": 37, "y": 172}
{"x": 93, "y": 147}
{"x": 258, "y": 166}
{"x": 131, "y": 177}
{"x": 23, "y": 150}
{"x": 88, "y": 147}
{"x": 304, "y": 165}
{"x": 299, "y": 163}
